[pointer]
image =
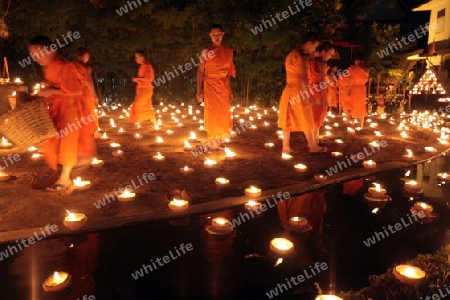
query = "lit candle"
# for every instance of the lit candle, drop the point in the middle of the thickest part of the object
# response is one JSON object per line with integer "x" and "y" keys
{"x": 186, "y": 170}
{"x": 377, "y": 191}
{"x": 126, "y": 195}
{"x": 159, "y": 140}
{"x": 253, "y": 192}
{"x": 118, "y": 153}
{"x": 192, "y": 137}
{"x": 229, "y": 154}
{"x": 286, "y": 156}
{"x": 4, "y": 176}
{"x": 320, "y": 177}
{"x": 221, "y": 182}
{"x": 104, "y": 136}
{"x": 17, "y": 80}
{"x": 442, "y": 176}
{"x": 369, "y": 164}
{"x": 5, "y": 144}
{"x": 188, "y": 146}
{"x": 36, "y": 156}
{"x": 339, "y": 141}
{"x": 328, "y": 297}
{"x": 422, "y": 206}
{"x": 430, "y": 149}
{"x": 409, "y": 156}
{"x": 269, "y": 145}
{"x": 121, "y": 130}
{"x": 408, "y": 274}
{"x": 209, "y": 162}
{"x": 115, "y": 145}
{"x": 158, "y": 157}
{"x": 412, "y": 186}
{"x": 221, "y": 224}
{"x": 97, "y": 163}
{"x": 337, "y": 154}
{"x": 300, "y": 168}
{"x": 281, "y": 246}
{"x": 298, "y": 222}
{"x": 80, "y": 184}
{"x": 74, "y": 221}
{"x": 169, "y": 132}
{"x": 252, "y": 205}
{"x": 138, "y": 136}
{"x": 178, "y": 205}
{"x": 56, "y": 282}
{"x": 32, "y": 149}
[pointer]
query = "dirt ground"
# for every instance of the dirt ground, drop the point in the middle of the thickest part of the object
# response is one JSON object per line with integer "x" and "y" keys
{"x": 25, "y": 205}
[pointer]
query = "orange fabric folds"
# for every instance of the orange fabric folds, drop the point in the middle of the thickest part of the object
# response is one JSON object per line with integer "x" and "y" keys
{"x": 218, "y": 69}
{"x": 141, "y": 109}
{"x": 70, "y": 115}
{"x": 84, "y": 74}
{"x": 358, "y": 78}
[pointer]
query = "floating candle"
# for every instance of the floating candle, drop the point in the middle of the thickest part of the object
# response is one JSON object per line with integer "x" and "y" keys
{"x": 221, "y": 224}
{"x": 253, "y": 192}
{"x": 369, "y": 164}
{"x": 178, "y": 205}
{"x": 320, "y": 177}
{"x": 377, "y": 191}
{"x": 158, "y": 157}
{"x": 221, "y": 182}
{"x": 57, "y": 282}
{"x": 298, "y": 222}
{"x": 300, "y": 168}
{"x": 281, "y": 246}
{"x": 74, "y": 221}
{"x": 97, "y": 163}
{"x": 412, "y": 186}
{"x": 422, "y": 206}
{"x": 252, "y": 205}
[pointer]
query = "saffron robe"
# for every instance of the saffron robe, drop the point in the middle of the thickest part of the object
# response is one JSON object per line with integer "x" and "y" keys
{"x": 217, "y": 90}
{"x": 84, "y": 75}
{"x": 344, "y": 99}
{"x": 141, "y": 109}
{"x": 358, "y": 78}
{"x": 332, "y": 96}
{"x": 314, "y": 79}
{"x": 295, "y": 112}
{"x": 70, "y": 115}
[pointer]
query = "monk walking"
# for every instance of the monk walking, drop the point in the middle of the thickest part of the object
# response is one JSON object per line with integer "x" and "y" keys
{"x": 141, "y": 108}
{"x": 295, "y": 111}
{"x": 332, "y": 96}
{"x": 214, "y": 73}
{"x": 68, "y": 110}
{"x": 344, "y": 97}
{"x": 85, "y": 75}
{"x": 317, "y": 81}
{"x": 359, "y": 76}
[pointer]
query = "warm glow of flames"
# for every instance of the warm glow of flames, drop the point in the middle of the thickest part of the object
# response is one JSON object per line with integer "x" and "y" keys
{"x": 71, "y": 216}
{"x": 192, "y": 135}
{"x": 159, "y": 140}
{"x": 179, "y": 203}
{"x": 410, "y": 153}
{"x": 229, "y": 153}
{"x": 222, "y": 180}
{"x": 377, "y": 187}
{"x": 300, "y": 166}
{"x": 210, "y": 162}
{"x": 253, "y": 190}
{"x": 282, "y": 244}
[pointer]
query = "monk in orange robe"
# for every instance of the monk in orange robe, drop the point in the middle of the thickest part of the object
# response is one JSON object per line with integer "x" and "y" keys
{"x": 141, "y": 108}
{"x": 214, "y": 73}
{"x": 317, "y": 81}
{"x": 359, "y": 76}
{"x": 295, "y": 111}
{"x": 332, "y": 96}
{"x": 344, "y": 98}
{"x": 84, "y": 72}
{"x": 67, "y": 109}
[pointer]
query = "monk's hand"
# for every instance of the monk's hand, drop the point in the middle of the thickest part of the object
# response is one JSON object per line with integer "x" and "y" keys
{"x": 200, "y": 97}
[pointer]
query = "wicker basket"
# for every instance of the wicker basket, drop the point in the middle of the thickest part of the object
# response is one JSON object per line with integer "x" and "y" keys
{"x": 28, "y": 125}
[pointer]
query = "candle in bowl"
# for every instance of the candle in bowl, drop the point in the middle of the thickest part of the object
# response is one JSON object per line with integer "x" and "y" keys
{"x": 5, "y": 144}
{"x": 221, "y": 224}
{"x": 337, "y": 154}
{"x": 377, "y": 191}
{"x": 328, "y": 297}
{"x": 252, "y": 205}
{"x": 281, "y": 246}
{"x": 138, "y": 136}
{"x": 115, "y": 145}
{"x": 192, "y": 137}
{"x": 158, "y": 157}
{"x": 74, "y": 221}
{"x": 300, "y": 168}
{"x": 229, "y": 154}
{"x": 169, "y": 132}
{"x": 412, "y": 186}
{"x": 80, "y": 184}
{"x": 422, "y": 206}
{"x": 443, "y": 176}
{"x": 210, "y": 163}
{"x": 57, "y": 282}
{"x": 408, "y": 274}
{"x": 430, "y": 149}
{"x": 369, "y": 164}
{"x": 320, "y": 177}
{"x": 4, "y": 176}
{"x": 32, "y": 149}
{"x": 221, "y": 182}
{"x": 409, "y": 156}
{"x": 298, "y": 222}
{"x": 97, "y": 163}
{"x": 104, "y": 136}
{"x": 126, "y": 195}
{"x": 36, "y": 156}
{"x": 188, "y": 146}
{"x": 186, "y": 170}
{"x": 253, "y": 192}
{"x": 121, "y": 131}
{"x": 159, "y": 140}
{"x": 269, "y": 145}
{"x": 286, "y": 156}
{"x": 118, "y": 153}
{"x": 178, "y": 205}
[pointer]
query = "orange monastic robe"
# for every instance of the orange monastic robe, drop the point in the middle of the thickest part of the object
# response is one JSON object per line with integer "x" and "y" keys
{"x": 344, "y": 99}
{"x": 295, "y": 113}
{"x": 359, "y": 76}
{"x": 84, "y": 75}
{"x": 332, "y": 97}
{"x": 217, "y": 90}
{"x": 319, "y": 110}
{"x": 70, "y": 116}
{"x": 141, "y": 108}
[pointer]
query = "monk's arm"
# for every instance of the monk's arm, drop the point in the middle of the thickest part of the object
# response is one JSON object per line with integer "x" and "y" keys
{"x": 323, "y": 77}
{"x": 200, "y": 75}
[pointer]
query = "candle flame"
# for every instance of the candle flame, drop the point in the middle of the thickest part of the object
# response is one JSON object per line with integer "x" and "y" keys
{"x": 377, "y": 187}
{"x": 192, "y": 135}
{"x": 279, "y": 261}
{"x": 177, "y": 202}
{"x": 71, "y": 216}
{"x": 410, "y": 153}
